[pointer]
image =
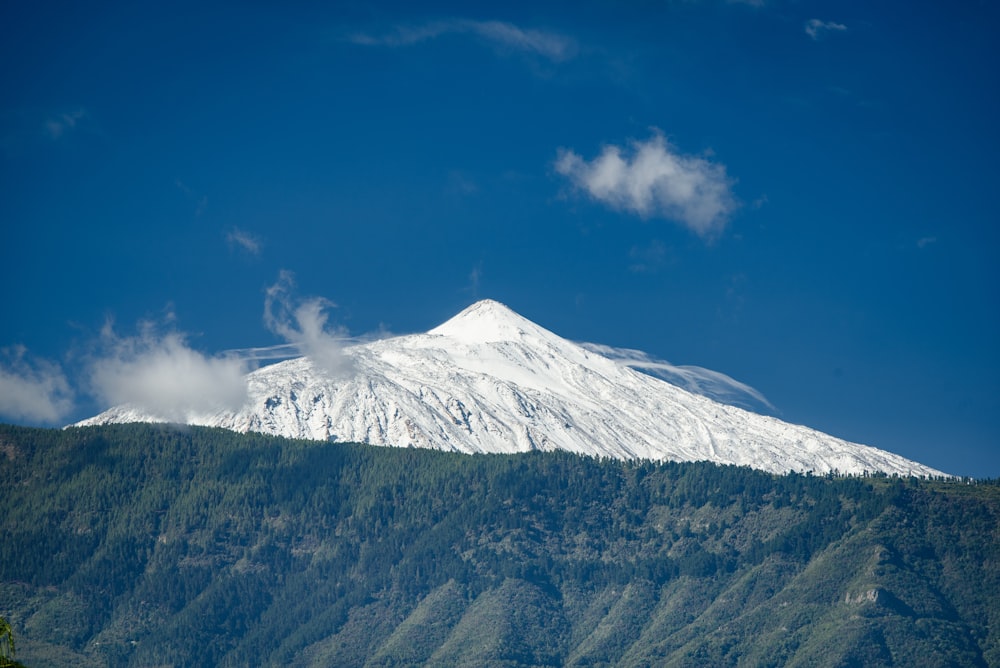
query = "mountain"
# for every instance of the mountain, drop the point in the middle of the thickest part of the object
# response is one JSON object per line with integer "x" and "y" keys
{"x": 491, "y": 381}
{"x": 158, "y": 545}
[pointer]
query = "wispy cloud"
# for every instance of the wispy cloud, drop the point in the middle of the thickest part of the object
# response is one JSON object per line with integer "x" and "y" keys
{"x": 817, "y": 29}
{"x": 475, "y": 276}
{"x": 695, "y": 379}
{"x": 56, "y": 126}
{"x": 32, "y": 390}
{"x": 162, "y": 375}
{"x": 303, "y": 323}
{"x": 648, "y": 259}
{"x": 499, "y": 34}
{"x": 460, "y": 184}
{"x": 924, "y": 242}
{"x": 653, "y": 179}
{"x": 245, "y": 241}
{"x": 281, "y": 351}
{"x": 200, "y": 201}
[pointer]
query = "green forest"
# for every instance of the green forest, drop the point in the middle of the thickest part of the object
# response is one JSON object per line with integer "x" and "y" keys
{"x": 143, "y": 545}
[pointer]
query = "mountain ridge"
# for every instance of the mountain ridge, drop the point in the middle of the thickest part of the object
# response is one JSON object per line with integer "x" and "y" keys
{"x": 490, "y": 380}
{"x": 151, "y": 545}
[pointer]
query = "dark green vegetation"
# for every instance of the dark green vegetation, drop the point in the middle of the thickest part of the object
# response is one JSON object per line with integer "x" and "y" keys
{"x": 142, "y": 545}
{"x": 7, "y": 650}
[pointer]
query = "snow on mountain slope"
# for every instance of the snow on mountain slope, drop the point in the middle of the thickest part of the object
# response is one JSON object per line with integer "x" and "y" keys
{"x": 489, "y": 380}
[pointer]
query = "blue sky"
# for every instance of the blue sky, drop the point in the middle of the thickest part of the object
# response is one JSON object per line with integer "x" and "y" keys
{"x": 801, "y": 195}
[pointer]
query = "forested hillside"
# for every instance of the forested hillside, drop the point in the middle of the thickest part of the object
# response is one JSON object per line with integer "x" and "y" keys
{"x": 142, "y": 545}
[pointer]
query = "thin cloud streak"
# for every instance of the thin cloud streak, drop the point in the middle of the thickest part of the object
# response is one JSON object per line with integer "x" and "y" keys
{"x": 695, "y": 379}
{"x": 244, "y": 240}
{"x": 817, "y": 29}
{"x": 33, "y": 390}
{"x": 652, "y": 179}
{"x": 551, "y": 46}
{"x": 281, "y": 351}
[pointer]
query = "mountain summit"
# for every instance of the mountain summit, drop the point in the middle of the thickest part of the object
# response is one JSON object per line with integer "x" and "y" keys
{"x": 489, "y": 321}
{"x": 490, "y": 380}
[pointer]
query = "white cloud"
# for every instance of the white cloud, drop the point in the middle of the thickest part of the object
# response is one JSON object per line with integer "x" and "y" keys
{"x": 57, "y": 126}
{"x": 816, "y": 28}
{"x": 162, "y": 375}
{"x": 33, "y": 391}
{"x": 498, "y": 33}
{"x": 652, "y": 179}
{"x": 695, "y": 379}
{"x": 302, "y": 323}
{"x": 244, "y": 240}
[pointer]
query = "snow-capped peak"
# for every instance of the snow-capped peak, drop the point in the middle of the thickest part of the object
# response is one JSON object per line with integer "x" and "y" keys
{"x": 488, "y": 321}
{"x": 490, "y": 380}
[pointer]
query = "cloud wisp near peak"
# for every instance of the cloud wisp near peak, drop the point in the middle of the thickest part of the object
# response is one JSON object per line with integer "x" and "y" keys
{"x": 303, "y": 324}
{"x": 163, "y": 375}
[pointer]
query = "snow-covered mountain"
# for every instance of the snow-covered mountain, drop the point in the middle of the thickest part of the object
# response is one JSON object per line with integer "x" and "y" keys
{"x": 489, "y": 380}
